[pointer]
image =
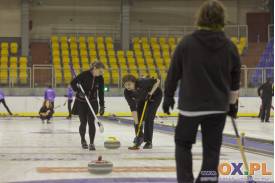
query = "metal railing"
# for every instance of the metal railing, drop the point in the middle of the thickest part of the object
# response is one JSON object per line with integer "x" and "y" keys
{"x": 270, "y": 31}
{"x": 42, "y": 76}
{"x": 166, "y": 31}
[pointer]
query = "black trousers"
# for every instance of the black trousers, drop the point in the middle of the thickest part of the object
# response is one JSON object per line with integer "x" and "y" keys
{"x": 70, "y": 107}
{"x": 86, "y": 116}
{"x": 265, "y": 111}
{"x": 185, "y": 135}
{"x": 5, "y": 105}
{"x": 48, "y": 117}
{"x": 149, "y": 116}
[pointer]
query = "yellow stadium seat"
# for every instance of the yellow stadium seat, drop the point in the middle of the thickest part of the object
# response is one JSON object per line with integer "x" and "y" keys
{"x": 112, "y": 60}
{"x": 165, "y": 54}
{"x": 153, "y": 40}
{"x": 23, "y": 60}
{"x": 84, "y": 60}
{"x": 82, "y": 39}
{"x": 156, "y": 54}
{"x": 103, "y": 60}
{"x": 73, "y": 46}
{"x": 72, "y": 39}
{"x": 100, "y": 46}
{"x": 65, "y": 53}
{"x": 140, "y": 61}
{"x": 4, "y": 53}
{"x": 83, "y": 46}
{"x": 4, "y": 46}
{"x": 54, "y": 39}
{"x": 93, "y": 58}
{"x": 137, "y": 46}
{"x": 130, "y": 54}
{"x": 147, "y": 53}
{"x": 3, "y": 75}
{"x": 171, "y": 41}
{"x": 83, "y": 53}
{"x": 155, "y": 47}
{"x": 234, "y": 40}
{"x": 91, "y": 46}
{"x": 93, "y": 53}
{"x": 135, "y": 40}
{"x": 14, "y": 47}
{"x": 13, "y": 60}
{"x": 55, "y": 46}
{"x": 131, "y": 60}
{"x": 63, "y": 39}
{"x": 145, "y": 46}
{"x": 64, "y": 46}
{"x": 162, "y": 40}
{"x": 111, "y": 53}
{"x": 150, "y": 62}
{"x": 109, "y": 40}
{"x": 120, "y": 53}
{"x": 91, "y": 39}
{"x": 85, "y": 66}
{"x": 75, "y": 60}
{"x": 110, "y": 46}
{"x": 100, "y": 39}
{"x": 55, "y": 53}
{"x": 66, "y": 60}
{"x": 4, "y": 59}
{"x": 101, "y": 53}
{"x": 56, "y": 66}
{"x": 13, "y": 75}
{"x": 144, "y": 40}
{"x": 138, "y": 54}
{"x": 159, "y": 61}
{"x": 23, "y": 76}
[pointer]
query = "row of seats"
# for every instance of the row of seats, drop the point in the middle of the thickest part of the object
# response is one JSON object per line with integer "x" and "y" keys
{"x": 266, "y": 62}
{"x": 80, "y": 55}
{"x": 13, "y": 70}
{"x": 241, "y": 43}
{"x": 8, "y": 49}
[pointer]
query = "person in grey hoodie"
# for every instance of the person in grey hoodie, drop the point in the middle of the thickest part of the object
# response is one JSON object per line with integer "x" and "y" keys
{"x": 207, "y": 64}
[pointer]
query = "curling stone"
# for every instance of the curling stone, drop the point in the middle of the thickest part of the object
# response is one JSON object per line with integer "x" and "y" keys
{"x": 100, "y": 166}
{"x": 112, "y": 143}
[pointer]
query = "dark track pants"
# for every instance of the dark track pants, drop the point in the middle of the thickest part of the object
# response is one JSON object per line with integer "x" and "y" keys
{"x": 149, "y": 117}
{"x": 86, "y": 116}
{"x": 185, "y": 135}
{"x": 5, "y": 105}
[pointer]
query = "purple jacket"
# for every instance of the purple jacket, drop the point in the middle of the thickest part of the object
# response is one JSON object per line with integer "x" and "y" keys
{"x": 2, "y": 95}
{"x": 49, "y": 94}
{"x": 70, "y": 93}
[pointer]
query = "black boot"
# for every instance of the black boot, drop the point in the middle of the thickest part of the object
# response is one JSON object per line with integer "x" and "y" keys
{"x": 148, "y": 145}
{"x": 92, "y": 147}
{"x": 84, "y": 144}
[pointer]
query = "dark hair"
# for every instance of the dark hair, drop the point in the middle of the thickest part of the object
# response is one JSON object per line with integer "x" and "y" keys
{"x": 50, "y": 104}
{"x": 129, "y": 78}
{"x": 211, "y": 15}
{"x": 97, "y": 65}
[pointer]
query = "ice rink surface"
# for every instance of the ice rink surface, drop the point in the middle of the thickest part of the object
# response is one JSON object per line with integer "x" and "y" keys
{"x": 32, "y": 151}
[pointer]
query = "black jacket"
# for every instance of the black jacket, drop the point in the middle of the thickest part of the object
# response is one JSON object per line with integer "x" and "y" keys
{"x": 44, "y": 109}
{"x": 265, "y": 91}
{"x": 143, "y": 87}
{"x": 92, "y": 86}
{"x": 208, "y": 67}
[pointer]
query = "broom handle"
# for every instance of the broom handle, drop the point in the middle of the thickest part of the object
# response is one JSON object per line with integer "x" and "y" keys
{"x": 142, "y": 116}
{"x": 239, "y": 141}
